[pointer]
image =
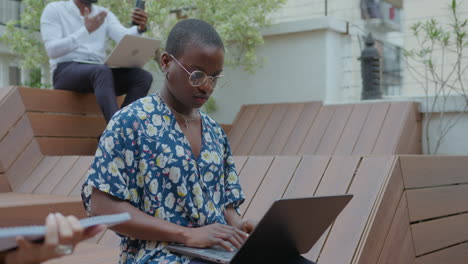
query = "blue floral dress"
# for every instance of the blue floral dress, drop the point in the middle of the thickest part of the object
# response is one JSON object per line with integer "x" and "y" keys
{"x": 144, "y": 158}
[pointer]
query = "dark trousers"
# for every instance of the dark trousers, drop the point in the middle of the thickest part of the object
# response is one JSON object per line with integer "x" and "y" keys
{"x": 297, "y": 260}
{"x": 106, "y": 83}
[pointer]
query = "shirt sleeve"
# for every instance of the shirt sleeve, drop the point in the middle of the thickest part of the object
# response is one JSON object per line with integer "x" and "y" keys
{"x": 233, "y": 191}
{"x": 115, "y": 29}
{"x": 56, "y": 44}
{"x": 113, "y": 170}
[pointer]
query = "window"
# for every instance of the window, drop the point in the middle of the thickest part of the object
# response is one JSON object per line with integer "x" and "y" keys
{"x": 14, "y": 75}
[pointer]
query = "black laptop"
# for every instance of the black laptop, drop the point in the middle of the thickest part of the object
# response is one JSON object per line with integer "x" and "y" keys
{"x": 290, "y": 227}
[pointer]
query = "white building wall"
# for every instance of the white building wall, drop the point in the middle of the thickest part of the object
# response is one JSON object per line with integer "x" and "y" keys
{"x": 303, "y": 63}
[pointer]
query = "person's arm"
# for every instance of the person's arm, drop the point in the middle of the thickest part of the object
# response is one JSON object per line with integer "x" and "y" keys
{"x": 146, "y": 227}
{"x": 55, "y": 43}
{"x": 116, "y": 30}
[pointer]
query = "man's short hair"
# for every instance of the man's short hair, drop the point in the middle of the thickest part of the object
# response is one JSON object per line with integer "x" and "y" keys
{"x": 191, "y": 31}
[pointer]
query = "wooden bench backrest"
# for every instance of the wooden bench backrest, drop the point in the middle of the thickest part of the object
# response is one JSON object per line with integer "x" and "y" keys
{"x": 63, "y": 122}
{"x": 316, "y": 129}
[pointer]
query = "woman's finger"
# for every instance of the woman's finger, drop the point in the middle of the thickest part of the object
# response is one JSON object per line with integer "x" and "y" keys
{"x": 65, "y": 230}
{"x": 52, "y": 233}
{"x": 23, "y": 243}
{"x": 224, "y": 244}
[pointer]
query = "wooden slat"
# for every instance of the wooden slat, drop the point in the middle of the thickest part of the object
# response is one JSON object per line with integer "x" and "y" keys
{"x": 226, "y": 128}
{"x": 74, "y": 175}
{"x": 24, "y": 165}
{"x": 4, "y": 184}
{"x": 59, "y": 125}
{"x": 239, "y": 161}
{"x": 287, "y": 125}
{"x": 349, "y": 226}
{"x": 316, "y": 132}
{"x": 371, "y": 129}
{"x": 11, "y": 110}
{"x": 77, "y": 189}
{"x": 38, "y": 174}
{"x": 241, "y": 123}
{"x": 334, "y": 130}
{"x": 14, "y": 143}
{"x": 4, "y": 91}
{"x": 56, "y": 175}
{"x": 427, "y": 171}
{"x": 307, "y": 177}
{"x": 399, "y": 240}
{"x": 353, "y": 129}
{"x": 273, "y": 186}
{"x": 299, "y": 133}
{"x": 381, "y": 222}
{"x": 392, "y": 128}
{"x": 336, "y": 180}
{"x": 269, "y": 130}
{"x": 59, "y": 101}
{"x": 31, "y": 209}
{"x": 62, "y": 146}
{"x": 411, "y": 135}
{"x": 110, "y": 239}
{"x": 436, "y": 202}
{"x": 252, "y": 134}
{"x": 252, "y": 175}
{"x": 89, "y": 253}
{"x": 440, "y": 233}
{"x": 453, "y": 255}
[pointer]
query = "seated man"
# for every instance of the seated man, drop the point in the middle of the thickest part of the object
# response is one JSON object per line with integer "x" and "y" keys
{"x": 77, "y": 30}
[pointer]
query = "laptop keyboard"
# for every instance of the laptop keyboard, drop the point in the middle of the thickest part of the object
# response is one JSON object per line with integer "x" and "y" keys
{"x": 220, "y": 252}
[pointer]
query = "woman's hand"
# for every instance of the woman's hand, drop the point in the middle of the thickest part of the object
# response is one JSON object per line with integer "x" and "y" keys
{"x": 215, "y": 234}
{"x": 246, "y": 225}
{"x": 62, "y": 235}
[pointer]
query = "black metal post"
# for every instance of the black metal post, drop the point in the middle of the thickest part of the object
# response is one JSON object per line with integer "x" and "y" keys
{"x": 370, "y": 71}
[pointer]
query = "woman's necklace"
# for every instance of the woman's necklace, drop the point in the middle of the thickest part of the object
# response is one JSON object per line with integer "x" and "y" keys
{"x": 186, "y": 119}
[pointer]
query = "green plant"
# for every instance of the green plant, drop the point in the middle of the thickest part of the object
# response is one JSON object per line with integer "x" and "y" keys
{"x": 439, "y": 66}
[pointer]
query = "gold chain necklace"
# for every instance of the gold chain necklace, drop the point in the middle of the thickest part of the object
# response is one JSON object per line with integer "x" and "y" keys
{"x": 186, "y": 119}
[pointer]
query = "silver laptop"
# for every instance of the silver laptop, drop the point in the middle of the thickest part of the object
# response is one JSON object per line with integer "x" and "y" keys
{"x": 133, "y": 52}
{"x": 130, "y": 52}
{"x": 289, "y": 228}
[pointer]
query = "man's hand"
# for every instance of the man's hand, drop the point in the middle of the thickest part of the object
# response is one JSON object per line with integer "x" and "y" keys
{"x": 93, "y": 23}
{"x": 215, "y": 234}
{"x": 140, "y": 17}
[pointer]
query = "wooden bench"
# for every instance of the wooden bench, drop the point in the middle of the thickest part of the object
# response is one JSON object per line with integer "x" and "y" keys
{"x": 315, "y": 129}
{"x": 406, "y": 209}
{"x": 435, "y": 212}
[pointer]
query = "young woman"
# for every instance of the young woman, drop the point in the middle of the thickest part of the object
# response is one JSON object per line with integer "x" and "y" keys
{"x": 167, "y": 163}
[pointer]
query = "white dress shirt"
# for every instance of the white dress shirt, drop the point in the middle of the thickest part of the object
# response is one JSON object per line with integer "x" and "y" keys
{"x": 66, "y": 37}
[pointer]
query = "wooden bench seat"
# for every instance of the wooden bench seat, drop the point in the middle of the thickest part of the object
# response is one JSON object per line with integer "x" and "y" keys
{"x": 31, "y": 209}
{"x": 89, "y": 253}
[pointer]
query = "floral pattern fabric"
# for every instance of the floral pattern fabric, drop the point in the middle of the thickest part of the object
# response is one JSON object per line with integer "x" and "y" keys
{"x": 144, "y": 158}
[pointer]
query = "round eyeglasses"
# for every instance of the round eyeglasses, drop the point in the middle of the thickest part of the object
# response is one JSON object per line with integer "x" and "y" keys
{"x": 198, "y": 78}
